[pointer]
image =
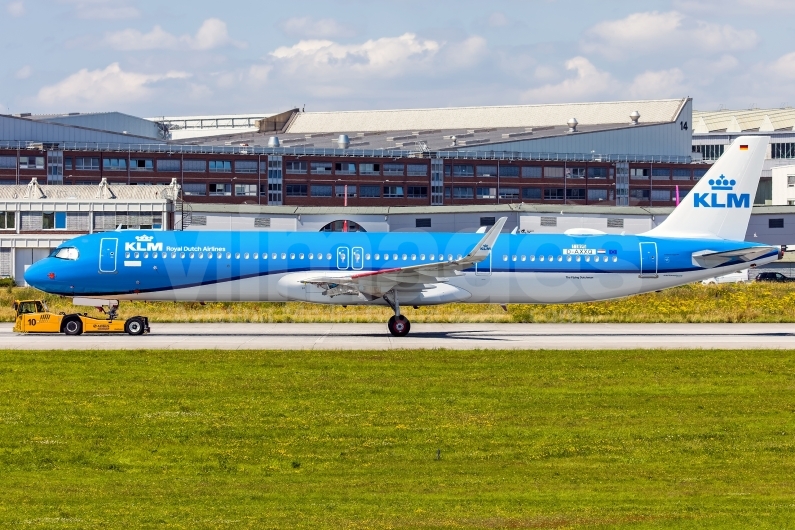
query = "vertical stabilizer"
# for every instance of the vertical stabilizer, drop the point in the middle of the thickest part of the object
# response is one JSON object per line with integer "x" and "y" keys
{"x": 719, "y": 206}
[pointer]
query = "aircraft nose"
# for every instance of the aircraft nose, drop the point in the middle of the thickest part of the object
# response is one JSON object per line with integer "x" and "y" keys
{"x": 42, "y": 276}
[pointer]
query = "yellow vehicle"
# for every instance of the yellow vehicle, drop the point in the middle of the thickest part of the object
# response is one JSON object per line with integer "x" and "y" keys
{"x": 33, "y": 317}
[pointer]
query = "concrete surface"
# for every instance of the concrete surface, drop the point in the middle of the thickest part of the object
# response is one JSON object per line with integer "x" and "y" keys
{"x": 451, "y": 336}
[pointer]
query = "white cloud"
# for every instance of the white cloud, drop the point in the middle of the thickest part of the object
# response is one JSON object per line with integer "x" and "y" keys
{"x": 784, "y": 66}
{"x": 103, "y": 9}
{"x": 743, "y": 8}
{"x": 99, "y": 88}
{"x": 307, "y": 27}
{"x": 15, "y": 9}
{"x": 498, "y": 20}
{"x": 658, "y": 84}
{"x": 259, "y": 73}
{"x": 655, "y": 32}
{"x": 588, "y": 83}
{"x": 24, "y": 72}
{"x": 211, "y": 34}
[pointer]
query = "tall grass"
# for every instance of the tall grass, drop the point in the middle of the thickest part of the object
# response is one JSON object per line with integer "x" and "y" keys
{"x": 755, "y": 302}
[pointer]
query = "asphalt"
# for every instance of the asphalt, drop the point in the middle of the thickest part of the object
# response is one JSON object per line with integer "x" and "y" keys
{"x": 449, "y": 336}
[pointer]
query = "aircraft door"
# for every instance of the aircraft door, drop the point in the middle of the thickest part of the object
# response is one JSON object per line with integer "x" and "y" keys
{"x": 648, "y": 260}
{"x": 107, "y": 254}
{"x": 357, "y": 258}
{"x": 343, "y": 258}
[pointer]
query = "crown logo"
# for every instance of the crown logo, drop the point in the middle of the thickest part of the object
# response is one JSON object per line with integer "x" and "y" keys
{"x": 722, "y": 183}
{"x": 144, "y": 238}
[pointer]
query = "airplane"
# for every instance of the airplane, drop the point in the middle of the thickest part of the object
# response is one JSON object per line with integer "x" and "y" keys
{"x": 702, "y": 238}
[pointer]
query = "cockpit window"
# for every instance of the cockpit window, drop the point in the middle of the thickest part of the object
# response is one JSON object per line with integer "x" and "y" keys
{"x": 70, "y": 253}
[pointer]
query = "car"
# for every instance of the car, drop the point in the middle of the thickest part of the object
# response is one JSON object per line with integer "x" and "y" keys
{"x": 773, "y": 277}
{"x": 732, "y": 277}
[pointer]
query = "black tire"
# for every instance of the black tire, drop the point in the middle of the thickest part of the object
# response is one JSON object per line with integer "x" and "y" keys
{"x": 135, "y": 326}
{"x": 399, "y": 326}
{"x": 73, "y": 326}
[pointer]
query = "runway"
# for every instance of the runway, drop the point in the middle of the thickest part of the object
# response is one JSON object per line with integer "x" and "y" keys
{"x": 423, "y": 336}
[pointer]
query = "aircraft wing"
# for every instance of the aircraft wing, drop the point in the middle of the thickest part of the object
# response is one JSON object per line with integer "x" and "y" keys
{"x": 709, "y": 259}
{"x": 376, "y": 283}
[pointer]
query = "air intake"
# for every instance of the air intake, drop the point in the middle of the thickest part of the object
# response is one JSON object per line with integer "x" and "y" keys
{"x": 572, "y": 123}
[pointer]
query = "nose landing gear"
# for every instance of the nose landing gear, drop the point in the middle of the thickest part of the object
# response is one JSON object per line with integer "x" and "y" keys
{"x": 398, "y": 325}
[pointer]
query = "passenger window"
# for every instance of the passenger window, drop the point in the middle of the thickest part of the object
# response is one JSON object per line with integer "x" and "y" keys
{"x": 301, "y": 255}
{"x": 513, "y": 258}
{"x": 504, "y": 257}
{"x": 459, "y": 256}
{"x": 126, "y": 254}
{"x": 578, "y": 258}
{"x": 433, "y": 257}
{"x": 237, "y": 255}
{"x": 292, "y": 255}
{"x": 540, "y": 258}
{"x": 328, "y": 255}
{"x": 449, "y": 257}
{"x": 146, "y": 254}
{"x": 173, "y": 255}
{"x": 311, "y": 255}
{"x": 182, "y": 255}
{"x": 587, "y": 258}
{"x": 136, "y": 255}
{"x": 615, "y": 259}
{"x": 284, "y": 255}
{"x": 568, "y": 258}
{"x": 377, "y": 257}
{"x": 192, "y": 255}
{"x": 422, "y": 257}
{"x": 413, "y": 257}
{"x": 532, "y": 258}
{"x": 209, "y": 255}
{"x": 367, "y": 256}
{"x": 560, "y": 258}
{"x": 524, "y": 257}
{"x": 246, "y": 255}
{"x": 550, "y": 258}
{"x": 201, "y": 255}
{"x": 274, "y": 255}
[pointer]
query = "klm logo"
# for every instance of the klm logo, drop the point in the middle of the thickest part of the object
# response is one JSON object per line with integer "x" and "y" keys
{"x": 721, "y": 200}
{"x": 143, "y": 243}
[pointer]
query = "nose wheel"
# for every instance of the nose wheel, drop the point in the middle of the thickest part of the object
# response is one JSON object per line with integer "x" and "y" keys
{"x": 398, "y": 325}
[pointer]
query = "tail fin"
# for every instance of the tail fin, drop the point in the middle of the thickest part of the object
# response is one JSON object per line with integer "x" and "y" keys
{"x": 719, "y": 206}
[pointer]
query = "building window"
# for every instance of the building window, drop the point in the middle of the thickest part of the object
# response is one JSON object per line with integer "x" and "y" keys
{"x": 531, "y": 193}
{"x": 575, "y": 194}
{"x": 168, "y": 165}
{"x": 295, "y": 167}
{"x": 531, "y": 172}
{"x": 509, "y": 193}
{"x": 194, "y": 166}
{"x": 553, "y": 172}
{"x": 369, "y": 169}
{"x": 509, "y": 171}
{"x": 420, "y": 170}
{"x": 782, "y": 150}
{"x": 597, "y": 172}
{"x": 246, "y": 190}
{"x": 7, "y": 220}
{"x": 597, "y": 195}
{"x": 447, "y": 192}
{"x": 31, "y": 162}
{"x": 295, "y": 190}
{"x": 393, "y": 192}
{"x": 339, "y": 191}
{"x": 220, "y": 166}
{"x": 486, "y": 193}
{"x": 775, "y": 223}
{"x": 220, "y": 190}
{"x": 575, "y": 172}
{"x": 463, "y": 170}
{"x": 462, "y": 192}
{"x": 422, "y": 223}
{"x": 553, "y": 194}
{"x": 193, "y": 188}
{"x": 8, "y": 162}
{"x": 245, "y": 166}
{"x": 53, "y": 220}
{"x": 86, "y": 164}
{"x": 487, "y": 221}
{"x": 709, "y": 152}
{"x": 417, "y": 192}
{"x": 370, "y": 191}
{"x": 661, "y": 195}
{"x": 487, "y": 171}
{"x": 321, "y": 190}
{"x": 791, "y": 181}
{"x": 681, "y": 174}
{"x": 639, "y": 173}
{"x": 344, "y": 168}
{"x": 698, "y": 173}
{"x": 321, "y": 168}
{"x": 141, "y": 164}
{"x": 661, "y": 173}
{"x": 642, "y": 195}
{"x": 114, "y": 164}
{"x": 549, "y": 221}
{"x": 394, "y": 169}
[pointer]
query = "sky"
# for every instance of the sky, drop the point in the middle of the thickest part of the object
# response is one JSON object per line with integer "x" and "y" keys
{"x": 155, "y": 58}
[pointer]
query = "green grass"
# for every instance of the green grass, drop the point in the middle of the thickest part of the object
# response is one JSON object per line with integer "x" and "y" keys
{"x": 261, "y": 439}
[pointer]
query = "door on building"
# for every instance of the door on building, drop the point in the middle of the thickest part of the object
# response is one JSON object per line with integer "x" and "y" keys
{"x": 107, "y": 254}
{"x": 648, "y": 260}
{"x": 24, "y": 258}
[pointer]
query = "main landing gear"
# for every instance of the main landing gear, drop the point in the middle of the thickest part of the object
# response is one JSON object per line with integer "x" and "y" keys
{"x": 398, "y": 325}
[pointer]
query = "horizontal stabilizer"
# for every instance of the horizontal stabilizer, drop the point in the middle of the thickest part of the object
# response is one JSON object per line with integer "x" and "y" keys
{"x": 709, "y": 259}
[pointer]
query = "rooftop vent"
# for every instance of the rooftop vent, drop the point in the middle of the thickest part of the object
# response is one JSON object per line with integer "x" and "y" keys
{"x": 273, "y": 141}
{"x": 343, "y": 141}
{"x": 572, "y": 123}
{"x": 635, "y": 116}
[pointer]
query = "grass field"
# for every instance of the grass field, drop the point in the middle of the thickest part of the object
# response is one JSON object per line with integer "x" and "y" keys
{"x": 259, "y": 439}
{"x": 755, "y": 302}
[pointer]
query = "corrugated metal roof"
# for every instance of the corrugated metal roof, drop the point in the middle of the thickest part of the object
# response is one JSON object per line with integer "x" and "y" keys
{"x": 737, "y": 121}
{"x": 663, "y": 110}
{"x": 101, "y": 192}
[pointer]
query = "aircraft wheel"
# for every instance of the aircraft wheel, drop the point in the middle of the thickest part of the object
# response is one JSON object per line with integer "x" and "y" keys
{"x": 399, "y": 326}
{"x": 134, "y": 326}
{"x": 73, "y": 326}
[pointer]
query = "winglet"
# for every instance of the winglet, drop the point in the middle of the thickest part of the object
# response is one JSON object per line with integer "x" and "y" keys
{"x": 483, "y": 248}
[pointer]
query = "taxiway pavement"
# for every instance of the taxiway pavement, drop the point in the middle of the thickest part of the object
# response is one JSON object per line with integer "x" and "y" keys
{"x": 449, "y": 336}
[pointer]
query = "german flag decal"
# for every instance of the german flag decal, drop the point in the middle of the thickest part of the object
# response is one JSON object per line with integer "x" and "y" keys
{"x": 743, "y": 147}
